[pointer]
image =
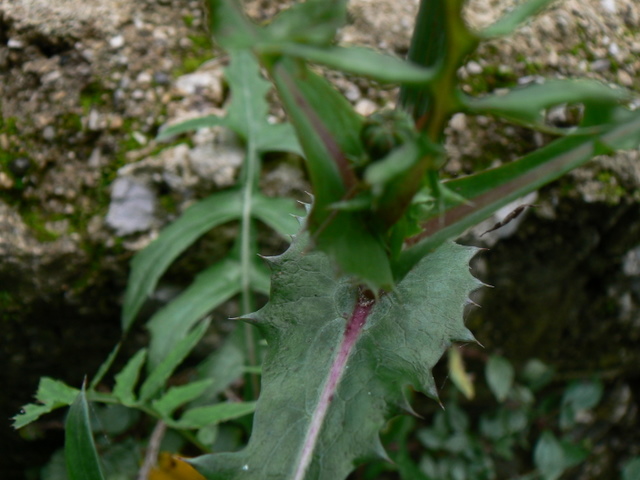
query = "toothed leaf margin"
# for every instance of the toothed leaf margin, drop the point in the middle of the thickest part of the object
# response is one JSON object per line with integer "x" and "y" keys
{"x": 309, "y": 324}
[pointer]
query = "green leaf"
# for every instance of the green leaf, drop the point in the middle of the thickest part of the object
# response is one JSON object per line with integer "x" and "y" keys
{"x": 260, "y": 279}
{"x": 104, "y": 368}
{"x": 500, "y": 374}
{"x": 178, "y": 396}
{"x": 126, "y": 380}
{"x": 121, "y": 460}
{"x": 148, "y": 265}
{"x": 212, "y": 414}
{"x": 280, "y": 137}
{"x": 247, "y": 117}
{"x": 314, "y": 22}
{"x": 31, "y": 412}
{"x": 548, "y": 456}
{"x": 440, "y": 41}
{"x": 56, "y": 392}
{"x": 190, "y": 125}
{"x": 51, "y": 394}
{"x": 328, "y": 130}
{"x": 211, "y": 287}
{"x": 526, "y": 105}
{"x": 359, "y": 61}
{"x": 248, "y": 111}
{"x": 511, "y": 20}
{"x": 277, "y": 213}
{"x": 400, "y": 433}
{"x": 157, "y": 378}
{"x": 537, "y": 374}
{"x": 112, "y": 419}
{"x": 338, "y": 362}
{"x": 631, "y": 470}
{"x": 504, "y": 423}
{"x": 492, "y": 189}
{"x": 230, "y": 27}
{"x": 224, "y": 366}
{"x": 79, "y": 449}
{"x": 578, "y": 397}
{"x": 327, "y": 127}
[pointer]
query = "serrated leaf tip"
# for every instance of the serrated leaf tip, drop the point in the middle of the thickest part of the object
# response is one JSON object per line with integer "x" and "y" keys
{"x": 269, "y": 259}
{"x": 379, "y": 452}
{"x": 405, "y": 406}
{"x": 466, "y": 336}
{"x": 253, "y": 318}
{"x": 430, "y": 389}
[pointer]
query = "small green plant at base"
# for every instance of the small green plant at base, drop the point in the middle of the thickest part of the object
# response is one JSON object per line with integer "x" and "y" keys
{"x": 458, "y": 449}
{"x": 372, "y": 290}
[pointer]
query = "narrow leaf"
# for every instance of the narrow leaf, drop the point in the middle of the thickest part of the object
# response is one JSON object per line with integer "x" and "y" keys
{"x": 230, "y": 26}
{"x": 314, "y": 22}
{"x": 224, "y": 366}
{"x": 156, "y": 380}
{"x": 126, "y": 380}
{"x": 511, "y": 20}
{"x": 280, "y": 137}
{"x": 260, "y": 279}
{"x": 359, "y": 61}
{"x": 440, "y": 41}
{"x": 247, "y": 117}
{"x": 190, "y": 125}
{"x": 526, "y": 105}
{"x": 277, "y": 213}
{"x": 212, "y": 414}
{"x": 104, "y": 368}
{"x": 338, "y": 362}
{"x": 328, "y": 130}
{"x": 178, "y": 396}
{"x": 211, "y": 287}
{"x": 492, "y": 189}
{"x": 248, "y": 109}
{"x": 428, "y": 47}
{"x": 79, "y": 449}
{"x": 326, "y": 125}
{"x": 148, "y": 265}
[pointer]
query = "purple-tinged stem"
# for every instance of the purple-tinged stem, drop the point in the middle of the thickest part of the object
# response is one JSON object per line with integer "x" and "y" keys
{"x": 351, "y": 335}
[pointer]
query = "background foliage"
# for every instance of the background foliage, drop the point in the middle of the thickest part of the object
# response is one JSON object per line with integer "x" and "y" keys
{"x": 383, "y": 192}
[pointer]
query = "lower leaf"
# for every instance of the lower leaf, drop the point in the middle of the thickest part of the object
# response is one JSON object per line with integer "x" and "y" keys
{"x": 339, "y": 360}
{"x": 79, "y": 450}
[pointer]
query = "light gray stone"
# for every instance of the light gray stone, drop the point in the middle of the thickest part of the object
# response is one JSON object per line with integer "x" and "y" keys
{"x": 132, "y": 207}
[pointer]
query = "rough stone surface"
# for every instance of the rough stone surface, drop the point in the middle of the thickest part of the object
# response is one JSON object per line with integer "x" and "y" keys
{"x": 131, "y": 208}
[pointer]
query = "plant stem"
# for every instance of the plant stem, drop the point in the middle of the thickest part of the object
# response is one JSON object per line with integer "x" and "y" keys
{"x": 153, "y": 448}
{"x": 351, "y": 334}
{"x": 248, "y": 251}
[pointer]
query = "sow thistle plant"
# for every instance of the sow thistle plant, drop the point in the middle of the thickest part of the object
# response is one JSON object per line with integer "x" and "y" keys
{"x": 372, "y": 289}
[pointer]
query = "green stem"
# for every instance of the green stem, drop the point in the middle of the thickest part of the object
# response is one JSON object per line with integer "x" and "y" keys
{"x": 427, "y": 45}
{"x": 247, "y": 247}
{"x": 94, "y": 396}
